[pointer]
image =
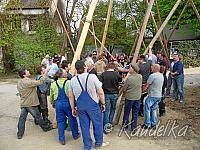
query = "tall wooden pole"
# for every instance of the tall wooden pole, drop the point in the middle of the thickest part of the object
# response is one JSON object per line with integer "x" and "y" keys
{"x": 156, "y": 27}
{"x": 106, "y": 25}
{"x": 83, "y": 35}
{"x": 163, "y": 25}
{"x": 177, "y": 21}
{"x": 140, "y": 39}
{"x": 95, "y": 41}
{"x": 160, "y": 21}
{"x": 66, "y": 32}
{"x": 195, "y": 9}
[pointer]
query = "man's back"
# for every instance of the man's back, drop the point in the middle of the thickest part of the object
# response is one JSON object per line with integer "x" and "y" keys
{"x": 110, "y": 80}
{"x": 28, "y": 92}
{"x": 92, "y": 85}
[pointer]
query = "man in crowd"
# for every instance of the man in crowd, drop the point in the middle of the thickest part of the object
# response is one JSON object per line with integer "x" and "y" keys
{"x": 52, "y": 67}
{"x": 145, "y": 70}
{"x": 110, "y": 80}
{"x": 154, "y": 85}
{"x": 163, "y": 69}
{"x": 178, "y": 79}
{"x": 132, "y": 90}
{"x": 29, "y": 101}
{"x": 59, "y": 99}
{"x": 87, "y": 91}
{"x": 43, "y": 91}
{"x": 90, "y": 67}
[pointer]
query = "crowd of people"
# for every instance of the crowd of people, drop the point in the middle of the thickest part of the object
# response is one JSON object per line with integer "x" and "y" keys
{"x": 92, "y": 94}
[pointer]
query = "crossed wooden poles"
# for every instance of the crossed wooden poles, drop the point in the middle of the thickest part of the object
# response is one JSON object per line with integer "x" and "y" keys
{"x": 139, "y": 38}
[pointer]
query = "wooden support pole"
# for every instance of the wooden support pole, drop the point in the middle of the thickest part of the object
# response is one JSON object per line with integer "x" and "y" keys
{"x": 83, "y": 35}
{"x": 95, "y": 41}
{"x": 195, "y": 9}
{"x": 140, "y": 39}
{"x": 156, "y": 27}
{"x": 59, "y": 15}
{"x": 106, "y": 25}
{"x": 177, "y": 21}
{"x": 99, "y": 42}
{"x": 163, "y": 25}
{"x": 160, "y": 21}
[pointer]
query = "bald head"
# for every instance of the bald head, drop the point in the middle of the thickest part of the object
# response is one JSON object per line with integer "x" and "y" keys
{"x": 155, "y": 68}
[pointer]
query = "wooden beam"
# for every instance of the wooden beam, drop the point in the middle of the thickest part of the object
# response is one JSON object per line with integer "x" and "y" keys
{"x": 83, "y": 35}
{"x": 163, "y": 25}
{"x": 140, "y": 39}
{"x": 177, "y": 21}
{"x": 99, "y": 42}
{"x": 106, "y": 25}
{"x": 95, "y": 41}
{"x": 66, "y": 32}
{"x": 195, "y": 9}
{"x": 156, "y": 27}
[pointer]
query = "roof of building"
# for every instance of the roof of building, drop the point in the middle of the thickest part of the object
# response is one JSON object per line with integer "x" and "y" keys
{"x": 28, "y": 4}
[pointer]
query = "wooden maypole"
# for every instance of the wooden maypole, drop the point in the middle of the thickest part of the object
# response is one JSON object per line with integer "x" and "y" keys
{"x": 83, "y": 35}
{"x": 106, "y": 26}
{"x": 140, "y": 39}
{"x": 163, "y": 25}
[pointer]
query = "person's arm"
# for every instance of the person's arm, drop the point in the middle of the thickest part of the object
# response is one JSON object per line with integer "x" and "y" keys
{"x": 149, "y": 82}
{"x": 100, "y": 93}
{"x": 52, "y": 101}
{"x": 72, "y": 103}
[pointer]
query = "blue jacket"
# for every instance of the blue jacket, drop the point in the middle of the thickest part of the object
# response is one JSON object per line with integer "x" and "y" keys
{"x": 178, "y": 67}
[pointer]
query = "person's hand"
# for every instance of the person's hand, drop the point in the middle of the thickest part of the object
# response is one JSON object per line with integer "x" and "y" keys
{"x": 74, "y": 112}
{"x": 103, "y": 107}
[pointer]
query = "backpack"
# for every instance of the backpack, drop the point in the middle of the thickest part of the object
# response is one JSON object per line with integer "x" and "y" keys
{"x": 44, "y": 88}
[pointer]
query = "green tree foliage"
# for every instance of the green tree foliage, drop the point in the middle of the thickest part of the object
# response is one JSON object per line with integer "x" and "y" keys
{"x": 121, "y": 26}
{"x": 28, "y": 48}
{"x": 189, "y": 17}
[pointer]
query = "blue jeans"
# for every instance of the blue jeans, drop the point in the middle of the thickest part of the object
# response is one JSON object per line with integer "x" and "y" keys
{"x": 133, "y": 105}
{"x": 63, "y": 110}
{"x": 34, "y": 111}
{"x": 178, "y": 83}
{"x": 111, "y": 101}
{"x": 150, "y": 110}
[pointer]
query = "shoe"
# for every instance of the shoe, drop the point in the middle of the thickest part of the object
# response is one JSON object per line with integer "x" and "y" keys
{"x": 36, "y": 123}
{"x": 181, "y": 101}
{"x": 153, "y": 127}
{"x": 62, "y": 142}
{"x": 144, "y": 127}
{"x": 133, "y": 131}
{"x": 104, "y": 144}
{"x": 19, "y": 136}
{"x": 77, "y": 137}
{"x": 167, "y": 96}
{"x": 47, "y": 129}
{"x": 140, "y": 114}
{"x": 162, "y": 114}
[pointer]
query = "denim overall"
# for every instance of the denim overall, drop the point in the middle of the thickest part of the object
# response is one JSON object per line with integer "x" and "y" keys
{"x": 63, "y": 109}
{"x": 89, "y": 111}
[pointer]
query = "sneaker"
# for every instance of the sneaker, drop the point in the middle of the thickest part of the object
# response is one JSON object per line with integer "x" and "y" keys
{"x": 181, "y": 101}
{"x": 104, "y": 144}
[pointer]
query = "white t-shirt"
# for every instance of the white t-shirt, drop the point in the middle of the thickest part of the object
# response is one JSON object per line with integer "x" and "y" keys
{"x": 93, "y": 85}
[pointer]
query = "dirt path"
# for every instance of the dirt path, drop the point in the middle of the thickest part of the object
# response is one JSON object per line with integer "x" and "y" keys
{"x": 186, "y": 114}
